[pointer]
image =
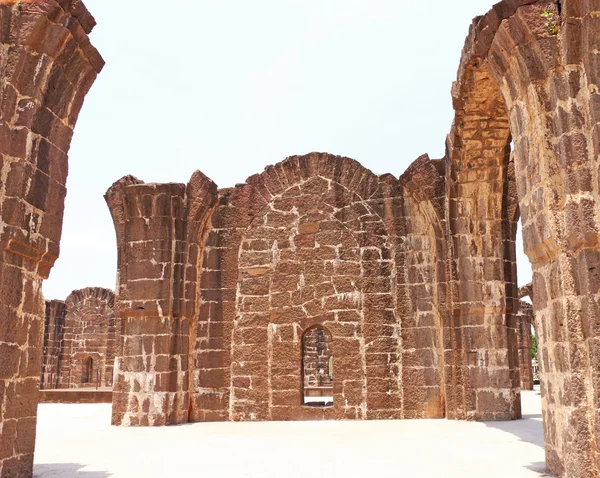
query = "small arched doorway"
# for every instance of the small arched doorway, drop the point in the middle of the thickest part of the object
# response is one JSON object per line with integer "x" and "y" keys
{"x": 87, "y": 370}
{"x": 317, "y": 368}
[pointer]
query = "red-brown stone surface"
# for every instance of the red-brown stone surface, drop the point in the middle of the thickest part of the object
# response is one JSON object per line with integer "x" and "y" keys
{"x": 47, "y": 66}
{"x": 244, "y": 272}
{"x": 53, "y": 343}
{"x": 80, "y": 340}
{"x": 547, "y": 80}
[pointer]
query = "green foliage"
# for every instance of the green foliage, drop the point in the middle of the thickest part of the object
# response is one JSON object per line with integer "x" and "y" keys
{"x": 533, "y": 346}
{"x": 551, "y": 26}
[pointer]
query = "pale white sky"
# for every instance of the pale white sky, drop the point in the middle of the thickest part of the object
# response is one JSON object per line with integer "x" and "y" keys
{"x": 230, "y": 87}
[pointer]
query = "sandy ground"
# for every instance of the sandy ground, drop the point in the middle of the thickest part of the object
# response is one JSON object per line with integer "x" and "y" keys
{"x": 77, "y": 441}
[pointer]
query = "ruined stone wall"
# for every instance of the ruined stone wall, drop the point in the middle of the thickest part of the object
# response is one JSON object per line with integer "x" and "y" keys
{"x": 89, "y": 333}
{"x": 80, "y": 328}
{"x": 314, "y": 241}
{"x": 316, "y": 355}
{"x": 53, "y": 342}
{"x": 525, "y": 319}
{"x": 317, "y": 253}
{"x": 47, "y": 66}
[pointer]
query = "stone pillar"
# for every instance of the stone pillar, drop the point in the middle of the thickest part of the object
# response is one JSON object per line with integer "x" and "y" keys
{"x": 545, "y": 58}
{"x": 481, "y": 252}
{"x": 419, "y": 225}
{"x": 53, "y": 339}
{"x": 158, "y": 228}
{"x": 525, "y": 319}
{"x": 151, "y": 383}
{"x": 47, "y": 66}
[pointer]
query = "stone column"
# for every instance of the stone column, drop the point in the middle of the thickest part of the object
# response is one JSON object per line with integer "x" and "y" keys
{"x": 421, "y": 269}
{"x": 524, "y": 319}
{"x": 545, "y": 58}
{"x": 481, "y": 252}
{"x": 47, "y": 66}
{"x": 53, "y": 339}
{"x": 151, "y": 382}
{"x": 158, "y": 229}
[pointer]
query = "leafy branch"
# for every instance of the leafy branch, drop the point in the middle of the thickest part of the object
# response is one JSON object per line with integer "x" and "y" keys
{"x": 551, "y": 25}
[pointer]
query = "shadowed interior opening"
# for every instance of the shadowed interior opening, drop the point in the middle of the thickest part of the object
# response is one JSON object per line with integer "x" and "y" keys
{"x": 87, "y": 370}
{"x": 317, "y": 368}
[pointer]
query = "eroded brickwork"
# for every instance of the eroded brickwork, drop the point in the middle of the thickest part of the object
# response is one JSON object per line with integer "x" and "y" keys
{"x": 47, "y": 66}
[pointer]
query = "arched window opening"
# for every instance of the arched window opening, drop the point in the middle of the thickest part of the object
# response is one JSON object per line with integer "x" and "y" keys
{"x": 87, "y": 371}
{"x": 317, "y": 368}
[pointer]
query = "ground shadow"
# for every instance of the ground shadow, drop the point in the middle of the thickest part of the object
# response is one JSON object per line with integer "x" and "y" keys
{"x": 538, "y": 467}
{"x": 66, "y": 470}
{"x": 529, "y": 429}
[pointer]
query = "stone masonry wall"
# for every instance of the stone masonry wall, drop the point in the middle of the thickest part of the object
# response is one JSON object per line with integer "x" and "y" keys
{"x": 312, "y": 256}
{"x": 314, "y": 241}
{"x": 80, "y": 328}
{"x": 47, "y": 65}
{"x": 89, "y": 333}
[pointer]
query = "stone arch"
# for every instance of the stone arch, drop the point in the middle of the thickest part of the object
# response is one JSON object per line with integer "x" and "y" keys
{"x": 47, "y": 66}
{"x": 548, "y": 80}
